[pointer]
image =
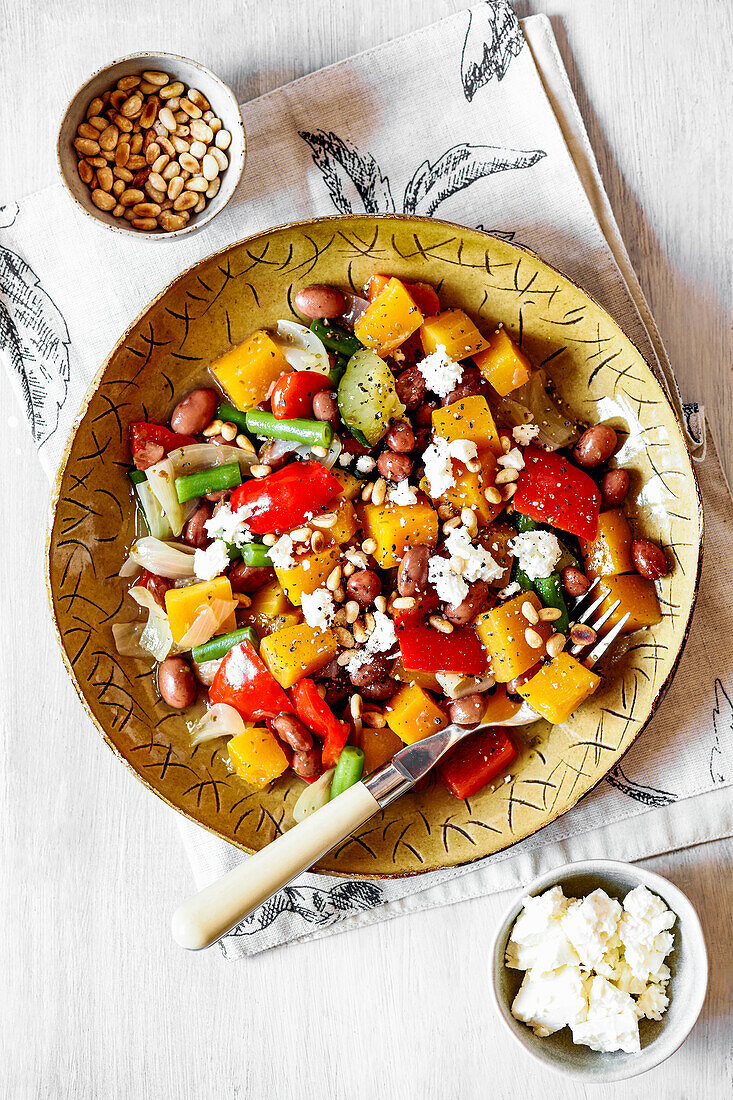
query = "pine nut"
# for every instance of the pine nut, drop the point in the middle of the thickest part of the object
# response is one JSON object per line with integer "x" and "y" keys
{"x": 269, "y": 540}
{"x": 185, "y": 201}
{"x": 171, "y": 222}
{"x": 317, "y": 542}
{"x": 213, "y": 189}
{"x": 189, "y": 163}
{"x": 440, "y": 624}
{"x": 160, "y": 162}
{"x": 492, "y": 495}
{"x": 244, "y": 444}
{"x": 122, "y": 123}
{"x": 150, "y": 113}
{"x": 154, "y": 193}
{"x": 199, "y": 184}
{"x": 380, "y": 603}
{"x": 473, "y": 466}
{"x": 202, "y": 131}
{"x": 146, "y": 209}
{"x": 133, "y": 106}
{"x": 152, "y": 153}
{"x": 85, "y": 171}
{"x": 259, "y": 469}
{"x": 87, "y": 147}
{"x": 95, "y": 107}
{"x": 580, "y": 634}
{"x": 228, "y": 430}
{"x": 366, "y": 493}
{"x": 530, "y": 613}
{"x": 102, "y": 200}
{"x": 369, "y": 546}
{"x": 98, "y": 122}
{"x": 504, "y": 477}
{"x": 356, "y": 707}
{"x": 532, "y": 638}
{"x": 199, "y": 99}
{"x": 343, "y": 659}
{"x": 214, "y": 428}
{"x": 156, "y": 180}
{"x": 379, "y": 492}
{"x": 171, "y": 170}
{"x": 360, "y": 634}
{"x": 333, "y": 580}
{"x": 154, "y": 77}
{"x": 220, "y": 157}
{"x": 117, "y": 188}
{"x": 555, "y": 645}
{"x": 170, "y": 90}
{"x": 344, "y": 638}
{"x": 325, "y": 522}
{"x": 374, "y": 719}
{"x": 198, "y": 149}
{"x": 352, "y": 611}
{"x": 404, "y": 603}
{"x": 549, "y": 614}
{"x": 349, "y": 569}
{"x": 166, "y": 117}
{"x": 84, "y": 130}
{"x": 118, "y": 211}
{"x": 144, "y": 223}
{"x": 190, "y": 108}
{"x": 179, "y": 144}
{"x": 214, "y": 122}
{"x": 508, "y": 491}
{"x": 223, "y": 139}
{"x": 131, "y": 196}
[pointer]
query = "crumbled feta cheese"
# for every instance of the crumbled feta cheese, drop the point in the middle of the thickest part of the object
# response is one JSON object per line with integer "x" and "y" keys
{"x": 465, "y": 450}
{"x": 511, "y": 590}
{"x": 383, "y": 638}
{"x": 610, "y": 1023}
{"x": 402, "y": 493}
{"x": 524, "y": 433}
{"x": 438, "y": 467}
{"x": 365, "y": 464}
{"x": 318, "y": 608}
{"x": 345, "y": 458}
{"x": 229, "y": 526}
{"x": 595, "y": 939}
{"x": 448, "y": 584}
{"x": 550, "y": 1001}
{"x": 238, "y": 667}
{"x": 441, "y": 373}
{"x": 590, "y": 924}
{"x": 537, "y": 552}
{"x": 281, "y": 554}
{"x": 479, "y": 564}
{"x": 512, "y": 460}
{"x": 359, "y": 658}
{"x": 212, "y": 561}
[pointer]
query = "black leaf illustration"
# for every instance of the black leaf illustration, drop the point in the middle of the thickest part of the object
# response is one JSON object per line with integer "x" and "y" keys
{"x": 316, "y": 907}
{"x": 502, "y": 234}
{"x": 650, "y": 796}
{"x": 8, "y": 214}
{"x": 353, "y": 179}
{"x": 493, "y": 38}
{"x": 458, "y": 168}
{"x": 35, "y": 337}
{"x": 721, "y": 755}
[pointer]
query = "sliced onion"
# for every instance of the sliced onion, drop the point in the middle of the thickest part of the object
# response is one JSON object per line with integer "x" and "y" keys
{"x": 328, "y": 460}
{"x": 206, "y": 671}
{"x": 161, "y": 479}
{"x": 532, "y": 404}
{"x": 313, "y": 797}
{"x": 301, "y": 347}
{"x": 129, "y": 568}
{"x": 220, "y": 720}
{"x": 355, "y": 308}
{"x": 280, "y": 447}
{"x": 167, "y": 559}
{"x": 156, "y": 638}
{"x": 127, "y": 639}
{"x": 202, "y": 456}
{"x": 207, "y": 622}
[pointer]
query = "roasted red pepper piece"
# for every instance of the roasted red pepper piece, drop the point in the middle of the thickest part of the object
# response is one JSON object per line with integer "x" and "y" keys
{"x": 550, "y": 489}
{"x": 287, "y": 498}
{"x": 318, "y": 717}
{"x": 476, "y": 761}
{"x": 243, "y": 681}
{"x": 294, "y": 392}
{"x": 150, "y": 442}
{"x": 426, "y": 650}
{"x": 417, "y": 614}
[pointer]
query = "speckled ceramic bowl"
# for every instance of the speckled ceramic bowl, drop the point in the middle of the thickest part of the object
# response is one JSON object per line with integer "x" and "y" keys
{"x": 193, "y": 75}
{"x": 598, "y": 374}
{"x": 688, "y": 963}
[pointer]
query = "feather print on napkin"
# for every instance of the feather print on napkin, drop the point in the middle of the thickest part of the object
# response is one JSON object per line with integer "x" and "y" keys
{"x": 357, "y": 185}
{"x": 493, "y": 38}
{"x": 34, "y": 338}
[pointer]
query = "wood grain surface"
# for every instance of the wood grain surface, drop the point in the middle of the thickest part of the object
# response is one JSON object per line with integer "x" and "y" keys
{"x": 95, "y": 1000}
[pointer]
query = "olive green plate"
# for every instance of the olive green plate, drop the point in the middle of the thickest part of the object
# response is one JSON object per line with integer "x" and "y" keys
{"x": 598, "y": 372}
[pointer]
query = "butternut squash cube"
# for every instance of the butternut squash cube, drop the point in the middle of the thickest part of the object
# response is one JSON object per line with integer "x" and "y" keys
{"x": 248, "y": 370}
{"x": 183, "y": 605}
{"x": 270, "y": 609}
{"x": 638, "y": 596}
{"x": 469, "y": 418}
{"x": 378, "y": 746}
{"x": 455, "y": 331}
{"x": 610, "y": 550}
{"x": 257, "y": 756}
{"x": 503, "y": 364}
{"x": 390, "y": 320}
{"x": 351, "y": 486}
{"x": 469, "y": 491}
{"x": 503, "y": 631}
{"x": 297, "y": 651}
{"x": 346, "y": 525}
{"x": 397, "y": 527}
{"x": 412, "y": 714}
{"x": 415, "y": 676}
{"x": 308, "y": 574}
{"x": 559, "y": 688}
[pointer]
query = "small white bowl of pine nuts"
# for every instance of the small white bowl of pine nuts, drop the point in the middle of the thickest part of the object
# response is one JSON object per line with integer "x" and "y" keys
{"x": 152, "y": 145}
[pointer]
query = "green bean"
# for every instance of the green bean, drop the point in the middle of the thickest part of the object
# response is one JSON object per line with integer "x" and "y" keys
{"x": 232, "y": 415}
{"x": 335, "y": 338}
{"x": 524, "y": 523}
{"x": 220, "y": 646}
{"x": 256, "y": 554}
{"x": 314, "y": 432}
{"x": 348, "y": 770}
{"x": 136, "y": 476}
{"x": 549, "y": 590}
{"x": 521, "y": 577}
{"x": 334, "y": 375}
{"x": 212, "y": 480}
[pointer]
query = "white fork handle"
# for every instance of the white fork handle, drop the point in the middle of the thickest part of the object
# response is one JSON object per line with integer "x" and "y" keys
{"x": 213, "y": 912}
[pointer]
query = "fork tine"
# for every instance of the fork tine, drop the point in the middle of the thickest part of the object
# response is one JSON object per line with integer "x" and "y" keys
{"x": 597, "y": 625}
{"x": 593, "y": 607}
{"x": 600, "y": 647}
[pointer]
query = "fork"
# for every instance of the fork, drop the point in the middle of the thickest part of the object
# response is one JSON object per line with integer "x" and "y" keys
{"x": 210, "y": 914}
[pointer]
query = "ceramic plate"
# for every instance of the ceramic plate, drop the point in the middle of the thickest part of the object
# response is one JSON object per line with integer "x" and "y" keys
{"x": 598, "y": 373}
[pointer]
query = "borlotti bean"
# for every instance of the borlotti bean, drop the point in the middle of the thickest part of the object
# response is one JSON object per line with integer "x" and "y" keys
{"x": 151, "y": 132}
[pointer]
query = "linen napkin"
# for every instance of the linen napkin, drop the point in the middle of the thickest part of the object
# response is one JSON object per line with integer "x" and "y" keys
{"x": 471, "y": 120}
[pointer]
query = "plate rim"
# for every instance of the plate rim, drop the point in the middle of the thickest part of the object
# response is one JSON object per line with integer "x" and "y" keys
{"x": 91, "y": 391}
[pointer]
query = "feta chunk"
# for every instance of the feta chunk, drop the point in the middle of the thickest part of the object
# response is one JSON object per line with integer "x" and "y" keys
{"x": 653, "y": 1002}
{"x": 212, "y": 561}
{"x": 537, "y": 552}
{"x": 441, "y": 373}
{"x": 402, "y": 493}
{"x": 523, "y": 434}
{"x": 512, "y": 460}
{"x": 383, "y": 638}
{"x": 281, "y": 554}
{"x": 550, "y": 1001}
{"x": 365, "y": 464}
{"x": 590, "y": 924}
{"x": 448, "y": 584}
{"x": 465, "y": 450}
{"x": 537, "y": 938}
{"x": 318, "y": 608}
{"x": 228, "y": 526}
{"x": 479, "y": 564}
{"x": 438, "y": 467}
{"x": 611, "y": 1022}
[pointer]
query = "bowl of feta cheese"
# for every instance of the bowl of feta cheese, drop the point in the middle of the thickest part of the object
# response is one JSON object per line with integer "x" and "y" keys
{"x": 600, "y": 969}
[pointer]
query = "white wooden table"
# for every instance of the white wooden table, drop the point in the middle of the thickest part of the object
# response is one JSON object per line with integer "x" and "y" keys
{"x": 95, "y": 1001}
